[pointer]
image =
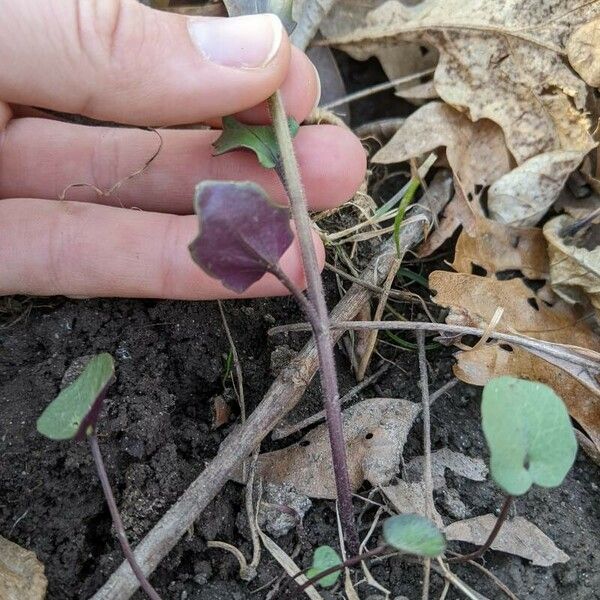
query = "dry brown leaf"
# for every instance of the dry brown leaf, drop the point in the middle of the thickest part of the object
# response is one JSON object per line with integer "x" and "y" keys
{"x": 375, "y": 432}
{"x": 574, "y": 265}
{"x": 524, "y": 310}
{"x": 500, "y": 61}
{"x": 523, "y": 196}
{"x": 478, "y": 367}
{"x": 21, "y": 573}
{"x": 517, "y": 536}
{"x": 465, "y": 466}
{"x": 495, "y": 248}
{"x": 407, "y": 498}
{"x": 399, "y": 60}
{"x": 437, "y": 124}
{"x": 583, "y": 50}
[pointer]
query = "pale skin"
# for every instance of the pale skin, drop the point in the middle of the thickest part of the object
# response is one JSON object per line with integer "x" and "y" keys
{"x": 116, "y": 60}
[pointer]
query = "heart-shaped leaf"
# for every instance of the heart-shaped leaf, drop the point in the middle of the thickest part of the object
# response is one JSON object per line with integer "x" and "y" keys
{"x": 325, "y": 557}
{"x": 281, "y": 8}
{"x": 242, "y": 233}
{"x": 414, "y": 534}
{"x": 529, "y": 434}
{"x": 75, "y": 411}
{"x": 258, "y": 138}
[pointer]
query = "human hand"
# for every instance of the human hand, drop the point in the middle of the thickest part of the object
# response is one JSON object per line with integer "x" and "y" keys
{"x": 116, "y": 60}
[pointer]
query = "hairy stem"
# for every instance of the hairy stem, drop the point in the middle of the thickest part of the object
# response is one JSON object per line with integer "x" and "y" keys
{"x": 319, "y": 322}
{"x": 116, "y": 518}
{"x": 493, "y": 534}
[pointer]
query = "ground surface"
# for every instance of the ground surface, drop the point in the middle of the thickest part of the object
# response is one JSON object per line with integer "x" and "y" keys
{"x": 156, "y": 436}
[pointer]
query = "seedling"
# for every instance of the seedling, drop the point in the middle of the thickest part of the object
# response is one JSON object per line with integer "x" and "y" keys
{"x": 531, "y": 441}
{"x": 243, "y": 235}
{"x": 407, "y": 534}
{"x": 73, "y": 415}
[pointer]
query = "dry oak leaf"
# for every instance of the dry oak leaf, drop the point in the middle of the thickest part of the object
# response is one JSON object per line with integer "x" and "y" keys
{"x": 473, "y": 301}
{"x": 523, "y": 196}
{"x": 494, "y": 247}
{"x": 375, "y": 433}
{"x": 21, "y": 573}
{"x": 501, "y": 61}
{"x": 398, "y": 60}
{"x": 408, "y": 498}
{"x": 479, "y": 366}
{"x": 517, "y": 536}
{"x": 476, "y": 152}
{"x": 583, "y": 50}
{"x": 461, "y": 464}
{"x": 574, "y": 266}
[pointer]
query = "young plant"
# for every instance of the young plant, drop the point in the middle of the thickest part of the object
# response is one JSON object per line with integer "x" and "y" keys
{"x": 243, "y": 235}
{"x": 73, "y": 414}
{"x": 407, "y": 534}
{"x": 531, "y": 441}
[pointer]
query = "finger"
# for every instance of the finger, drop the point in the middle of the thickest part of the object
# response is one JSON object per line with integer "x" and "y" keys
{"x": 5, "y": 115}
{"x": 119, "y": 60}
{"x": 40, "y": 158}
{"x": 86, "y": 250}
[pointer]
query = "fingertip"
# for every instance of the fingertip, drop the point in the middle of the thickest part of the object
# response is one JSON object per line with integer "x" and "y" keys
{"x": 334, "y": 163}
{"x": 300, "y": 91}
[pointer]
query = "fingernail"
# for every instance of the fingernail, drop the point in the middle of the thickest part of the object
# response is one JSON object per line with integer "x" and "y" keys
{"x": 318, "y": 100}
{"x": 248, "y": 42}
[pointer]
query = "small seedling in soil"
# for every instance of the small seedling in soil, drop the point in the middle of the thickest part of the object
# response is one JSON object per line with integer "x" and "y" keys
{"x": 531, "y": 441}
{"x": 73, "y": 415}
{"x": 407, "y": 534}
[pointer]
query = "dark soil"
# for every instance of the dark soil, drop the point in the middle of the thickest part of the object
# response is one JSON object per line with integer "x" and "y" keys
{"x": 156, "y": 436}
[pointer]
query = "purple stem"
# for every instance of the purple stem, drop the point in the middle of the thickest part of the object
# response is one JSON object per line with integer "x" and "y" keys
{"x": 116, "y": 518}
{"x": 494, "y": 533}
{"x": 319, "y": 318}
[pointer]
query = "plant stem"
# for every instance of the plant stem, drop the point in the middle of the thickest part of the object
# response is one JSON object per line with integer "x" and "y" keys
{"x": 320, "y": 322}
{"x": 494, "y": 533}
{"x": 116, "y": 518}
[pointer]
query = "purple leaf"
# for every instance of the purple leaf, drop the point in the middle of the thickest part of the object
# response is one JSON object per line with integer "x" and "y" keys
{"x": 242, "y": 233}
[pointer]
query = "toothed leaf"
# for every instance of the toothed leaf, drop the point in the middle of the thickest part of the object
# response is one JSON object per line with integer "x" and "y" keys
{"x": 258, "y": 138}
{"x": 281, "y": 8}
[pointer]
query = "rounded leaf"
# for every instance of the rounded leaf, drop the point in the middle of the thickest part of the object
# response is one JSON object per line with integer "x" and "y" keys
{"x": 325, "y": 557}
{"x": 242, "y": 233}
{"x": 529, "y": 433}
{"x": 76, "y": 409}
{"x": 414, "y": 534}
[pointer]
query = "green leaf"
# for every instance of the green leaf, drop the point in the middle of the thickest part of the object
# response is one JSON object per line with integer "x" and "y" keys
{"x": 74, "y": 412}
{"x": 258, "y": 138}
{"x": 281, "y": 8}
{"x": 324, "y": 558}
{"x": 414, "y": 534}
{"x": 529, "y": 433}
{"x": 406, "y": 200}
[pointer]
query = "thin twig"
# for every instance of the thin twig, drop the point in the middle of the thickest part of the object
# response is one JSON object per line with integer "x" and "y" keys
{"x": 582, "y": 357}
{"x": 381, "y": 304}
{"x": 427, "y": 473}
{"x": 236, "y": 363}
{"x": 116, "y": 518}
{"x": 287, "y": 430}
{"x": 490, "y": 540}
{"x": 283, "y": 395}
{"x": 375, "y": 89}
